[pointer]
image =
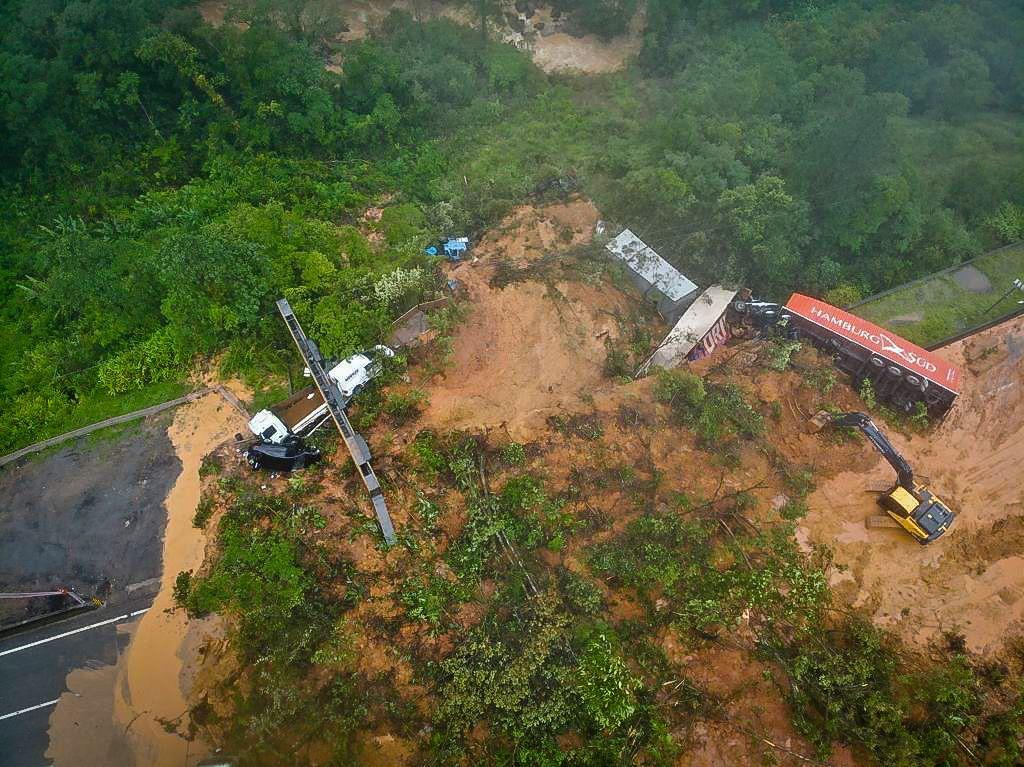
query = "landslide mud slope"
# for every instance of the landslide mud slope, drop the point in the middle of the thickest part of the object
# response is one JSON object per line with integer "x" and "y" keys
{"x": 972, "y": 580}
{"x": 532, "y": 348}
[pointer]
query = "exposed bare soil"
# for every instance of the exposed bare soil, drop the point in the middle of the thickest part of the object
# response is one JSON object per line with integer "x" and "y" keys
{"x": 536, "y": 349}
{"x": 562, "y": 52}
{"x": 527, "y": 350}
{"x": 972, "y": 579}
{"x": 541, "y": 35}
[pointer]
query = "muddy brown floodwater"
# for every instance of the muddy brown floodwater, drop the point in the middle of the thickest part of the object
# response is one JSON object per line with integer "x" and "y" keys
{"x": 147, "y": 691}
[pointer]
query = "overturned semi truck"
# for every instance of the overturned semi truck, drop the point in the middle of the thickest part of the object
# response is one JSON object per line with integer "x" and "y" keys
{"x": 901, "y": 373}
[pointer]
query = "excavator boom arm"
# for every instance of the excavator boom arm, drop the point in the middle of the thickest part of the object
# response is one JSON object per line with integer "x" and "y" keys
{"x": 861, "y": 421}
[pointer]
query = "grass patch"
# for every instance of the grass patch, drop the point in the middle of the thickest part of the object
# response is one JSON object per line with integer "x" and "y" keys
{"x": 944, "y": 307}
{"x": 96, "y": 406}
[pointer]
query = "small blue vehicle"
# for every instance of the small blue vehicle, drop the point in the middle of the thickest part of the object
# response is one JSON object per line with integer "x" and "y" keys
{"x": 452, "y": 247}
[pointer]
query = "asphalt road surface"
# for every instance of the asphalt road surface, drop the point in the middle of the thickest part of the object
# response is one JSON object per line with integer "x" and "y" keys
{"x": 35, "y": 664}
{"x": 89, "y": 516}
{"x": 88, "y": 513}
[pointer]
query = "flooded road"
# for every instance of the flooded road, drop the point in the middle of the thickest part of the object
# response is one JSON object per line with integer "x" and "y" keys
{"x": 140, "y": 705}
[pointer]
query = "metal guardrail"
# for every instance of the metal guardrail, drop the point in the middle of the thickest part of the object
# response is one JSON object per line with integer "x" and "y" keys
{"x": 357, "y": 446}
{"x": 976, "y": 329}
{"x": 125, "y": 418}
{"x": 425, "y": 306}
{"x": 932, "y": 276}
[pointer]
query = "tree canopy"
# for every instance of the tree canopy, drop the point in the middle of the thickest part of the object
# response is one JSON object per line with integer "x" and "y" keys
{"x": 165, "y": 179}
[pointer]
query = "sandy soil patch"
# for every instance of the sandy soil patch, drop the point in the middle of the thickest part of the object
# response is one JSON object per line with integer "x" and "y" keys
{"x": 528, "y": 350}
{"x": 972, "y": 579}
{"x": 588, "y": 54}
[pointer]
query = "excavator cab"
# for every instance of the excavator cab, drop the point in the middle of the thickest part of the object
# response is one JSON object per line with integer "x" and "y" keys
{"x": 919, "y": 513}
{"x": 911, "y": 505}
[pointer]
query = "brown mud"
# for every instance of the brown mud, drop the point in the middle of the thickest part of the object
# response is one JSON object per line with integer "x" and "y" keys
{"x": 149, "y": 693}
{"x": 527, "y": 350}
{"x": 80, "y": 725}
{"x": 971, "y": 580}
{"x": 753, "y": 725}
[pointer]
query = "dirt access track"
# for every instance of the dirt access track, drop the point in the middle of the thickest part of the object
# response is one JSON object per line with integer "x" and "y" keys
{"x": 972, "y": 579}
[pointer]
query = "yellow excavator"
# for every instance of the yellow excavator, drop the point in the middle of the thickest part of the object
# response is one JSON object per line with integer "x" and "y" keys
{"x": 912, "y": 506}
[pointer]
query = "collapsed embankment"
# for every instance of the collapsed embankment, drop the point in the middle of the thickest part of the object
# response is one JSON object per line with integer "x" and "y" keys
{"x": 971, "y": 581}
{"x": 661, "y": 521}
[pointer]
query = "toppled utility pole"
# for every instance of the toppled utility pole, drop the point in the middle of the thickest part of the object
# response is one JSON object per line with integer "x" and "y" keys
{"x": 357, "y": 446}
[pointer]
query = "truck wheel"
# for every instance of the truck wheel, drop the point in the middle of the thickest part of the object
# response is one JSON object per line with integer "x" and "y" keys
{"x": 254, "y": 462}
{"x": 358, "y": 390}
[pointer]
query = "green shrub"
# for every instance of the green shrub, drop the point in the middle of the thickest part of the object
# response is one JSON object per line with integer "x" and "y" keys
{"x": 780, "y": 352}
{"x": 604, "y": 683}
{"x": 867, "y": 393}
{"x": 257, "y": 574}
{"x": 182, "y": 588}
{"x": 160, "y": 357}
{"x": 823, "y": 379}
{"x": 211, "y": 465}
{"x": 580, "y": 594}
{"x": 843, "y": 295}
{"x": 428, "y": 511}
{"x": 403, "y": 407}
{"x": 203, "y": 512}
{"x": 513, "y": 677}
{"x": 793, "y": 510}
{"x": 513, "y": 454}
{"x": 919, "y": 418}
{"x": 617, "y": 363}
{"x": 425, "y": 599}
{"x": 679, "y": 388}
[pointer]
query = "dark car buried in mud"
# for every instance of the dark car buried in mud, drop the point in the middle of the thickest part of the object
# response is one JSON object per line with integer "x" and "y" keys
{"x": 291, "y": 454}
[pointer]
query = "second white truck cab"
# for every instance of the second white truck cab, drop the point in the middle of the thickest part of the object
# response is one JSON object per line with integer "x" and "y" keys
{"x": 353, "y": 373}
{"x": 301, "y": 413}
{"x": 268, "y": 427}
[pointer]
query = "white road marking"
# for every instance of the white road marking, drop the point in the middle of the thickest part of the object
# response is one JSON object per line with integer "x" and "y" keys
{"x": 30, "y": 708}
{"x": 73, "y": 631}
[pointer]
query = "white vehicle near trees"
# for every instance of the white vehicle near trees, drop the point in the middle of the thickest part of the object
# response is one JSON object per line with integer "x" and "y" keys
{"x": 353, "y": 373}
{"x": 304, "y": 411}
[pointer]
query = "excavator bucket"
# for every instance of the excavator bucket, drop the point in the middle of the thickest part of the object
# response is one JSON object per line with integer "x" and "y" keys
{"x": 820, "y": 420}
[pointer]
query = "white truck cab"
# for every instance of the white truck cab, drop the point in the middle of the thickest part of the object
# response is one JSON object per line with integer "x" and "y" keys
{"x": 353, "y": 373}
{"x": 304, "y": 411}
{"x": 268, "y": 427}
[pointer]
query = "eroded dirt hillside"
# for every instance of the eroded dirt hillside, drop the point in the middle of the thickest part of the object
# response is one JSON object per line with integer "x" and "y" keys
{"x": 519, "y": 396}
{"x": 529, "y": 348}
{"x": 972, "y": 580}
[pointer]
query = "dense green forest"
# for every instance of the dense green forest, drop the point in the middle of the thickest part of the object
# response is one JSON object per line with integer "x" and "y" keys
{"x": 165, "y": 180}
